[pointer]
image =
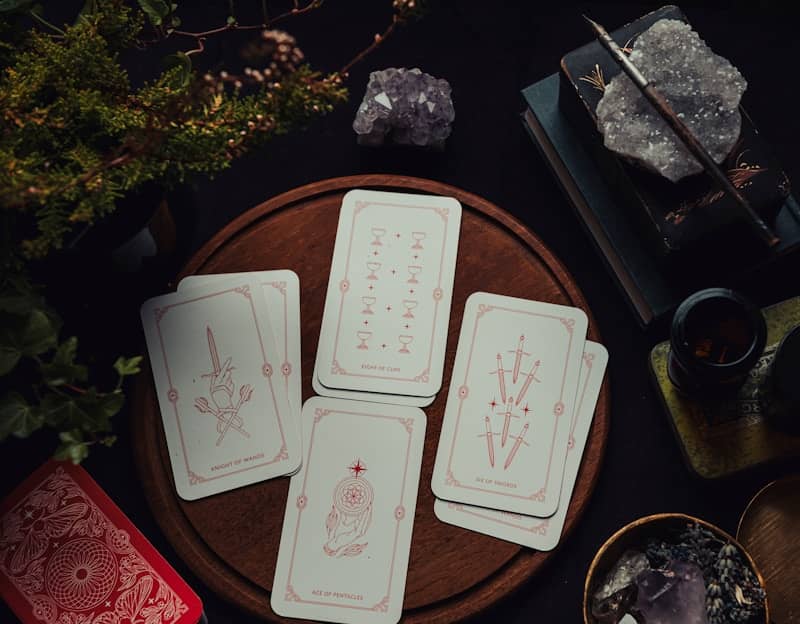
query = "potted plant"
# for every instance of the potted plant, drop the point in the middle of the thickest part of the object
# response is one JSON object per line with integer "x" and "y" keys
{"x": 78, "y": 137}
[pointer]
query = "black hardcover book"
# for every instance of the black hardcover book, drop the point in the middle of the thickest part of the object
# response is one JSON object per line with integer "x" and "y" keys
{"x": 686, "y": 223}
{"x": 651, "y": 291}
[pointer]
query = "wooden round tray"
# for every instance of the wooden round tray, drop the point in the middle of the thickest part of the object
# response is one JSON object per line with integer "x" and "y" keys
{"x": 231, "y": 540}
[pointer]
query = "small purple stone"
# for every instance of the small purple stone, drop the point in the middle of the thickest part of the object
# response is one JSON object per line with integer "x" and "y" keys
{"x": 406, "y": 106}
{"x": 674, "y": 595}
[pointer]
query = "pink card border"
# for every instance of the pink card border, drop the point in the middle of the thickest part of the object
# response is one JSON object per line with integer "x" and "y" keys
{"x": 568, "y": 323}
{"x": 302, "y": 500}
{"x": 173, "y": 398}
{"x": 542, "y": 527}
{"x": 344, "y": 288}
{"x": 286, "y": 366}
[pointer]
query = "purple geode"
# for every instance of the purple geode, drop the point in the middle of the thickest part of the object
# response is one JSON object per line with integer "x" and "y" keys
{"x": 407, "y": 106}
{"x": 674, "y": 595}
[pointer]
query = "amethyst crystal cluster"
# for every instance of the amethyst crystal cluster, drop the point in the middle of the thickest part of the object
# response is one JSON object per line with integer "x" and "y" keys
{"x": 695, "y": 578}
{"x": 406, "y": 106}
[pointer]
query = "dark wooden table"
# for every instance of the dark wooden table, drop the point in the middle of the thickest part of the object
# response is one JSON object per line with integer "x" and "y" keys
{"x": 488, "y": 51}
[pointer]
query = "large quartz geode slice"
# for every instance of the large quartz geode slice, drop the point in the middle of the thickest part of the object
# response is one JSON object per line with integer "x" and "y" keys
{"x": 703, "y": 88}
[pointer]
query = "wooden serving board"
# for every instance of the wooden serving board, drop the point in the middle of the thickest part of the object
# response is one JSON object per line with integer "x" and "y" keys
{"x": 231, "y": 540}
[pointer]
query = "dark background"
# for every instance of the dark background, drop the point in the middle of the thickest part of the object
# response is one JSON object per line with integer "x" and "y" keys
{"x": 488, "y": 51}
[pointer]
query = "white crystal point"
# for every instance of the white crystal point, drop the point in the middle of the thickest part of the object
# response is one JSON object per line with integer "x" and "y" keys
{"x": 703, "y": 88}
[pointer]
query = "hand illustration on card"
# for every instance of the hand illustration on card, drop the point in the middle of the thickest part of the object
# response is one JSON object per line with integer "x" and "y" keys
{"x": 350, "y": 515}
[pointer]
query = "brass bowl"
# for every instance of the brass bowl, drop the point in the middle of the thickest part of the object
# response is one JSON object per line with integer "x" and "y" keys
{"x": 635, "y": 535}
{"x": 768, "y": 528}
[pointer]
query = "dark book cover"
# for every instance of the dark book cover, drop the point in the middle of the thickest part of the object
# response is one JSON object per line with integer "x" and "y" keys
{"x": 683, "y": 222}
{"x": 651, "y": 291}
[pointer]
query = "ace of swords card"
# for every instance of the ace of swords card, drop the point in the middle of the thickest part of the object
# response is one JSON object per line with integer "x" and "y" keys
{"x": 531, "y": 531}
{"x": 506, "y": 424}
{"x": 223, "y": 403}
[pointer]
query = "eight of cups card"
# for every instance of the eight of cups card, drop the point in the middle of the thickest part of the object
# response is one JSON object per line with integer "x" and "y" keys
{"x": 346, "y": 535}
{"x": 506, "y": 424}
{"x": 217, "y": 377}
{"x": 531, "y": 531}
{"x": 282, "y": 291}
{"x": 374, "y": 397}
{"x": 384, "y": 327}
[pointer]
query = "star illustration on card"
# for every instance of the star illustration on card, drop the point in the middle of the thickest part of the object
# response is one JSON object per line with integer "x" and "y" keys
{"x": 357, "y": 467}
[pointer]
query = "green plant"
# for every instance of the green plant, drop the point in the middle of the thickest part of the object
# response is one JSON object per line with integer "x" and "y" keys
{"x": 76, "y": 135}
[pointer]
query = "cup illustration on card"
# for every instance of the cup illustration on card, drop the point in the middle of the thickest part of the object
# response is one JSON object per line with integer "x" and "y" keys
{"x": 418, "y": 238}
{"x": 350, "y": 515}
{"x": 405, "y": 340}
{"x": 222, "y": 391}
{"x": 368, "y": 303}
{"x": 373, "y": 267}
{"x": 409, "y": 304}
{"x": 378, "y": 233}
{"x": 413, "y": 271}
{"x": 363, "y": 336}
{"x": 519, "y": 385}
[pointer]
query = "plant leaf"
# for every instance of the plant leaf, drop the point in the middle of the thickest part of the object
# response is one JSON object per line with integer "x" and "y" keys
{"x": 38, "y": 334}
{"x": 99, "y": 408}
{"x": 62, "y": 368}
{"x": 17, "y": 417}
{"x": 128, "y": 366}
{"x": 72, "y": 447}
{"x": 61, "y": 411}
{"x": 183, "y": 75}
{"x": 9, "y": 356}
{"x": 90, "y": 7}
{"x": 156, "y": 10}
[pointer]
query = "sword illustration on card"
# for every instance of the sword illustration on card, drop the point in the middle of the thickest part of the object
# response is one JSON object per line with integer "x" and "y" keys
{"x": 222, "y": 390}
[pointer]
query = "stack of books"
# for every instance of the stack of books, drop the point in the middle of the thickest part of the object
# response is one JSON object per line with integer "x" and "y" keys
{"x": 661, "y": 241}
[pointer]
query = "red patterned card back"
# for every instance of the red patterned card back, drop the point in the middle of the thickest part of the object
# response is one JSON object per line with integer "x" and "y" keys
{"x": 68, "y": 555}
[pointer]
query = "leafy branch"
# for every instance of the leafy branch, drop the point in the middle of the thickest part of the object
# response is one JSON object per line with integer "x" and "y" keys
{"x": 58, "y": 394}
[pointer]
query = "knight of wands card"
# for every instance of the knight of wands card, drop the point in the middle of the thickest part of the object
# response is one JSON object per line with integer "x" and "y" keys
{"x": 384, "y": 327}
{"x": 281, "y": 289}
{"x": 346, "y": 535}
{"x": 223, "y": 402}
{"x": 506, "y": 424}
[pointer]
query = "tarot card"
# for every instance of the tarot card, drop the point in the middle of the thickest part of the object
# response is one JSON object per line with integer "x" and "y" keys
{"x": 506, "y": 424}
{"x": 373, "y": 397}
{"x": 225, "y": 410}
{"x": 68, "y": 554}
{"x": 282, "y": 292}
{"x": 346, "y": 535}
{"x": 541, "y": 533}
{"x": 384, "y": 327}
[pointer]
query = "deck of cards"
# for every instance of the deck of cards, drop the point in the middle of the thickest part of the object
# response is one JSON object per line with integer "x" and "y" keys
{"x": 384, "y": 327}
{"x": 69, "y": 555}
{"x": 225, "y": 356}
{"x": 522, "y": 396}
